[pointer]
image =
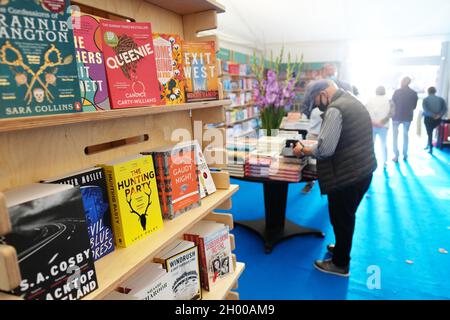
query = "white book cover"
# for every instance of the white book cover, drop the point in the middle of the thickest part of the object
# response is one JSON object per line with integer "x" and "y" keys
{"x": 206, "y": 181}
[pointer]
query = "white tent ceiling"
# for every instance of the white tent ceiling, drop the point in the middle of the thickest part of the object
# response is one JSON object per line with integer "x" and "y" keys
{"x": 267, "y": 22}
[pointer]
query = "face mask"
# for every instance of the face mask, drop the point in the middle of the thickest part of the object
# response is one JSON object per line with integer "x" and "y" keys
{"x": 322, "y": 106}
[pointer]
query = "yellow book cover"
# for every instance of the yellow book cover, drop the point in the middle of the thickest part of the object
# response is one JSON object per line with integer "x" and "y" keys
{"x": 133, "y": 196}
{"x": 200, "y": 70}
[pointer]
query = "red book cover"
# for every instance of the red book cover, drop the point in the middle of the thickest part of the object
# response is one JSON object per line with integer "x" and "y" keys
{"x": 130, "y": 64}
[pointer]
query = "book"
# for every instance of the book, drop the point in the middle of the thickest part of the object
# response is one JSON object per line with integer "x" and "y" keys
{"x": 133, "y": 197}
{"x": 92, "y": 183}
{"x": 115, "y": 295}
{"x": 151, "y": 282}
{"x": 213, "y": 241}
{"x": 38, "y": 72}
{"x": 177, "y": 175}
{"x": 200, "y": 70}
{"x": 181, "y": 260}
{"x": 206, "y": 182}
{"x": 90, "y": 63}
{"x": 169, "y": 66}
{"x": 130, "y": 64}
{"x": 50, "y": 235}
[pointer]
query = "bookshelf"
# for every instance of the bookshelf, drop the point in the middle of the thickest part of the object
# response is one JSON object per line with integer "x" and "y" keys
{"x": 42, "y": 147}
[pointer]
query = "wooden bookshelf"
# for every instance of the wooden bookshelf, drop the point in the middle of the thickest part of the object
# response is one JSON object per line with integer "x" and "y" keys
{"x": 225, "y": 74}
{"x": 242, "y": 106}
{"x": 224, "y": 286}
{"x": 122, "y": 263}
{"x": 238, "y": 91}
{"x": 241, "y": 121}
{"x": 16, "y": 124}
{"x": 184, "y": 7}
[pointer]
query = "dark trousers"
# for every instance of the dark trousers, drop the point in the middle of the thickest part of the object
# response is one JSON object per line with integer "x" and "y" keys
{"x": 342, "y": 205}
{"x": 431, "y": 124}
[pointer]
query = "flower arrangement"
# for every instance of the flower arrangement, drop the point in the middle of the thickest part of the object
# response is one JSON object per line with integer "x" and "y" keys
{"x": 272, "y": 93}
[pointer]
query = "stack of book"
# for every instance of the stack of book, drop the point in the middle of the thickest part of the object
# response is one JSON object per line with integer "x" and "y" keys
{"x": 271, "y": 144}
{"x": 287, "y": 169}
{"x": 258, "y": 165}
{"x": 295, "y": 121}
{"x": 236, "y": 163}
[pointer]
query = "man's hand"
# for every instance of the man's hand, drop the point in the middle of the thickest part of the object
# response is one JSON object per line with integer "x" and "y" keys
{"x": 437, "y": 117}
{"x": 298, "y": 150}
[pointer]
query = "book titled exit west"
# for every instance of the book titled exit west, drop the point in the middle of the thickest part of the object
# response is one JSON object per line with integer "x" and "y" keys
{"x": 200, "y": 70}
{"x": 130, "y": 64}
{"x": 38, "y": 72}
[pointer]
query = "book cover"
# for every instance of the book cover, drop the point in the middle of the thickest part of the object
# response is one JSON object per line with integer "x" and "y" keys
{"x": 94, "y": 193}
{"x": 130, "y": 64}
{"x": 205, "y": 179}
{"x": 38, "y": 72}
{"x": 90, "y": 63}
{"x": 169, "y": 66}
{"x": 134, "y": 201}
{"x": 50, "y": 235}
{"x": 182, "y": 263}
{"x": 200, "y": 70}
{"x": 151, "y": 282}
{"x": 177, "y": 175}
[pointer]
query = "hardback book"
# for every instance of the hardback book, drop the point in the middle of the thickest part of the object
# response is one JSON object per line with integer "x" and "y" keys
{"x": 200, "y": 70}
{"x": 90, "y": 62}
{"x": 50, "y": 235}
{"x": 177, "y": 175}
{"x": 181, "y": 260}
{"x": 92, "y": 183}
{"x": 133, "y": 197}
{"x": 151, "y": 282}
{"x": 169, "y": 66}
{"x": 213, "y": 241}
{"x": 38, "y": 71}
{"x": 130, "y": 64}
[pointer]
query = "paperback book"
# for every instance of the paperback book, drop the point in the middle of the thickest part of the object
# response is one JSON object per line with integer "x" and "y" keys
{"x": 92, "y": 183}
{"x": 130, "y": 64}
{"x": 50, "y": 235}
{"x": 169, "y": 66}
{"x": 133, "y": 196}
{"x": 38, "y": 72}
{"x": 90, "y": 62}
{"x": 200, "y": 70}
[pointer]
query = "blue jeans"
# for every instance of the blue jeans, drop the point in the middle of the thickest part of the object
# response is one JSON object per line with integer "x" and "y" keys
{"x": 382, "y": 133}
{"x": 406, "y": 125}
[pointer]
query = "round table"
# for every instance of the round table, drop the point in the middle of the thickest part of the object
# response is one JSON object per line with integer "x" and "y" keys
{"x": 274, "y": 228}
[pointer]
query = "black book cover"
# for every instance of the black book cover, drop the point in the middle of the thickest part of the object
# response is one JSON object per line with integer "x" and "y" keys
{"x": 96, "y": 206}
{"x": 51, "y": 238}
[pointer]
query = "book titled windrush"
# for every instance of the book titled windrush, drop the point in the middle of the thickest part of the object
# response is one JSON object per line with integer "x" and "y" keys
{"x": 38, "y": 72}
{"x": 133, "y": 196}
{"x": 200, "y": 70}
{"x": 50, "y": 235}
{"x": 181, "y": 260}
{"x": 130, "y": 64}
{"x": 94, "y": 193}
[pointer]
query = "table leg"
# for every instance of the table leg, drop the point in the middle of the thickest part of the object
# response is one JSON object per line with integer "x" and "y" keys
{"x": 274, "y": 228}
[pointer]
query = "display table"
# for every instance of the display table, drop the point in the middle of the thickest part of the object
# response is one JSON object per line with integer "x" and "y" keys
{"x": 275, "y": 228}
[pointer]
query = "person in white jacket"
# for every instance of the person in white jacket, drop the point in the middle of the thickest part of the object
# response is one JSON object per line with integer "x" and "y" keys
{"x": 380, "y": 108}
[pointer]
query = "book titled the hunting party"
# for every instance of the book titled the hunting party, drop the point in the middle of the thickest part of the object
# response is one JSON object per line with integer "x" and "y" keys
{"x": 91, "y": 69}
{"x": 92, "y": 183}
{"x": 38, "y": 72}
{"x": 130, "y": 64}
{"x": 133, "y": 196}
{"x": 200, "y": 70}
{"x": 50, "y": 235}
{"x": 169, "y": 65}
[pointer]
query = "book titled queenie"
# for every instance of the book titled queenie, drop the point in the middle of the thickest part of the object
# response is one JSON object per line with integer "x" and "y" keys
{"x": 130, "y": 64}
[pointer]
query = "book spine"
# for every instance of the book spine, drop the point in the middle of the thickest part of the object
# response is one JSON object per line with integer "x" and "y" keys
{"x": 203, "y": 265}
{"x": 162, "y": 185}
{"x": 114, "y": 207}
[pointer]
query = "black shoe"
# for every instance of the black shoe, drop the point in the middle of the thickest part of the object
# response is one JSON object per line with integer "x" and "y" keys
{"x": 330, "y": 248}
{"x": 405, "y": 158}
{"x": 427, "y": 147}
{"x": 327, "y": 266}
{"x": 430, "y": 151}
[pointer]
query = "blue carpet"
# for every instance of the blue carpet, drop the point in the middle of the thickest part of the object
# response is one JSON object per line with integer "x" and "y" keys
{"x": 405, "y": 216}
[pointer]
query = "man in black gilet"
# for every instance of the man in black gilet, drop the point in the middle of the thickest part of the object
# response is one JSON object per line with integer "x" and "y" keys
{"x": 345, "y": 164}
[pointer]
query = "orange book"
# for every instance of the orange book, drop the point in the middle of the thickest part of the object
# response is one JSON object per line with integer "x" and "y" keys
{"x": 200, "y": 70}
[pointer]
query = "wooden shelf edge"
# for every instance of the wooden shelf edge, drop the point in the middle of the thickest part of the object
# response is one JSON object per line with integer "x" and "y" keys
{"x": 186, "y": 6}
{"x": 129, "y": 260}
{"x": 9, "y": 297}
{"x": 221, "y": 290}
{"x": 232, "y": 124}
{"x": 25, "y": 123}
